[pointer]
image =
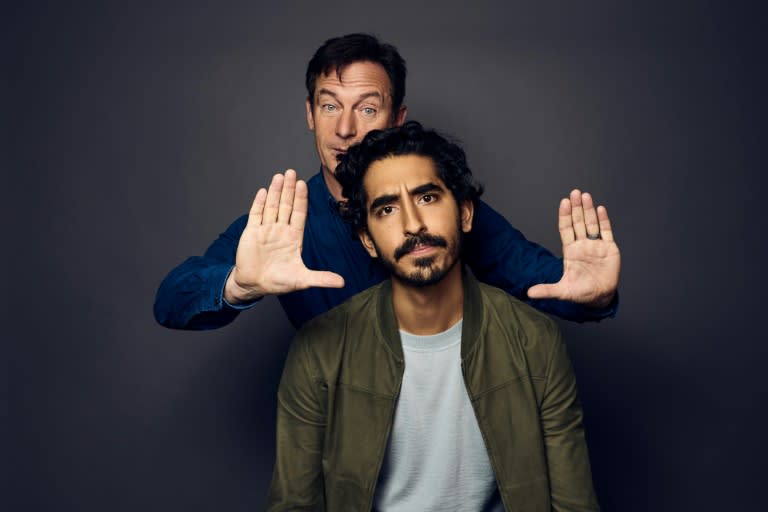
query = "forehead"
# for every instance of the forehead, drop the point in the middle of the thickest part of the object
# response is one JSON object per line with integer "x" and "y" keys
{"x": 357, "y": 77}
{"x": 399, "y": 174}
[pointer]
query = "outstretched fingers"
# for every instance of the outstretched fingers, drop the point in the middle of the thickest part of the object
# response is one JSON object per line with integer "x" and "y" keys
{"x": 300, "y": 206}
{"x": 605, "y": 224}
{"x": 565, "y": 222}
{"x": 287, "y": 194}
{"x": 280, "y": 202}
{"x": 579, "y": 219}
{"x": 272, "y": 204}
{"x": 257, "y": 207}
{"x": 577, "y": 215}
{"x": 590, "y": 217}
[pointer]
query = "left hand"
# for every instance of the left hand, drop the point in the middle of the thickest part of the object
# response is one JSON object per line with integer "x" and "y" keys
{"x": 591, "y": 259}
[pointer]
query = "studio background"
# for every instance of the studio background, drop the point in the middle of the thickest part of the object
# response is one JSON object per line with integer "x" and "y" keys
{"x": 139, "y": 132}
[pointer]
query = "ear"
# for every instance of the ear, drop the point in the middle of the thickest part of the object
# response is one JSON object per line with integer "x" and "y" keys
{"x": 467, "y": 212}
{"x": 402, "y": 113}
{"x": 365, "y": 238}
{"x": 310, "y": 118}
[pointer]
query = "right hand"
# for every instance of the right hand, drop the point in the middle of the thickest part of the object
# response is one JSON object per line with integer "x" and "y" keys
{"x": 591, "y": 258}
{"x": 268, "y": 259}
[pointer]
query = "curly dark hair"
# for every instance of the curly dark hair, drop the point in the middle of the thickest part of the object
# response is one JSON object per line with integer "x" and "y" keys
{"x": 339, "y": 52}
{"x": 408, "y": 139}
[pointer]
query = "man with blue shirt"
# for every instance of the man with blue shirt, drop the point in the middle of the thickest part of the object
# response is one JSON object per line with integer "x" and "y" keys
{"x": 429, "y": 391}
{"x": 292, "y": 243}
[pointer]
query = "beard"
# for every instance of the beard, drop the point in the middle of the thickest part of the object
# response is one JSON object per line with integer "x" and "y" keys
{"x": 427, "y": 272}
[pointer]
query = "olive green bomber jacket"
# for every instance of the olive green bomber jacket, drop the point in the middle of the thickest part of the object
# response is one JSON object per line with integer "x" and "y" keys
{"x": 341, "y": 381}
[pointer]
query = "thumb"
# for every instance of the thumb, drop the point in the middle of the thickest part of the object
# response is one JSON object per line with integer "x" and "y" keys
{"x": 544, "y": 291}
{"x": 323, "y": 279}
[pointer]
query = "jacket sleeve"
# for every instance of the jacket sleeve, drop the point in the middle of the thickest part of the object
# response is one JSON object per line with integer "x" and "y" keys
{"x": 501, "y": 256}
{"x": 570, "y": 475}
{"x": 192, "y": 295}
{"x": 297, "y": 478}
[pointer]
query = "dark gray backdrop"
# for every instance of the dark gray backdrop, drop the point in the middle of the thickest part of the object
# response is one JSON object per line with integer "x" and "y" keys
{"x": 139, "y": 132}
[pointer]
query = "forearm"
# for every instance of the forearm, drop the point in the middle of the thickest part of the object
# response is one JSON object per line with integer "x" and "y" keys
{"x": 192, "y": 295}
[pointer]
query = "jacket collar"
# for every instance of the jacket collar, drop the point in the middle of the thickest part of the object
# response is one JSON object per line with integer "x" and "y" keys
{"x": 473, "y": 316}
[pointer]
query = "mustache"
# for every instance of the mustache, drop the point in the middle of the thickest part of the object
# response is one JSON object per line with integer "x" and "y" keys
{"x": 420, "y": 239}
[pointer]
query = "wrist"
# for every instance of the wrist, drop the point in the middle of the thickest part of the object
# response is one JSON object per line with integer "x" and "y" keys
{"x": 235, "y": 294}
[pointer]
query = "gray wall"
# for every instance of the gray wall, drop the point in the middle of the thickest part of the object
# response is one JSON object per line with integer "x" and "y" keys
{"x": 138, "y": 133}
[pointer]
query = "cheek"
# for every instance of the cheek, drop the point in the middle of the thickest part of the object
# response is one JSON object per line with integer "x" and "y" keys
{"x": 387, "y": 239}
{"x": 321, "y": 127}
{"x": 450, "y": 222}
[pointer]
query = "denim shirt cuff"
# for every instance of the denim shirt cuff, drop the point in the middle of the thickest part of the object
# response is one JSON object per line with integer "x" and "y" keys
{"x": 238, "y": 307}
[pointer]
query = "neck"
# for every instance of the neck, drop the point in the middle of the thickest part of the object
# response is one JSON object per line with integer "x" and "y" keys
{"x": 334, "y": 187}
{"x": 431, "y": 309}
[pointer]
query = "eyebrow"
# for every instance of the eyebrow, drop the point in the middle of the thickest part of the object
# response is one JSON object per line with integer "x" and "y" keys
{"x": 382, "y": 200}
{"x": 365, "y": 95}
{"x": 388, "y": 198}
{"x": 427, "y": 187}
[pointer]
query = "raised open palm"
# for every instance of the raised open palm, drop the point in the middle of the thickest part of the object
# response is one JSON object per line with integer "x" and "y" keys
{"x": 268, "y": 260}
{"x": 591, "y": 258}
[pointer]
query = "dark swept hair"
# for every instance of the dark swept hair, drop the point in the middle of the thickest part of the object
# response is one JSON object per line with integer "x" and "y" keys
{"x": 408, "y": 139}
{"x": 339, "y": 52}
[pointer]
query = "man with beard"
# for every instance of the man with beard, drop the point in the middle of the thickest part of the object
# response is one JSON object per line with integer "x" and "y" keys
{"x": 430, "y": 390}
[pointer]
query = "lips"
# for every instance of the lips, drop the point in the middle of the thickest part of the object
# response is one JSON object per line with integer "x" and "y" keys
{"x": 421, "y": 248}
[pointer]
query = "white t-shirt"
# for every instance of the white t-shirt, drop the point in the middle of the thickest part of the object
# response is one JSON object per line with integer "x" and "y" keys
{"x": 436, "y": 458}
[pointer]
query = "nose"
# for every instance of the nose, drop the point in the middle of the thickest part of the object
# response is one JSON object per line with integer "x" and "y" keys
{"x": 413, "y": 224}
{"x": 346, "y": 127}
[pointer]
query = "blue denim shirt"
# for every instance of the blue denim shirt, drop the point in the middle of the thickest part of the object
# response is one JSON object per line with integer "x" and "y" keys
{"x": 191, "y": 295}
